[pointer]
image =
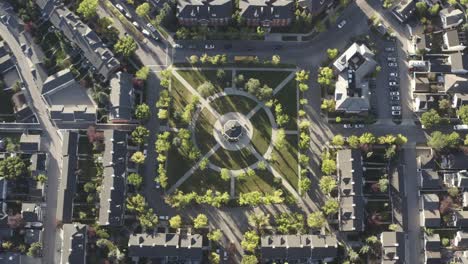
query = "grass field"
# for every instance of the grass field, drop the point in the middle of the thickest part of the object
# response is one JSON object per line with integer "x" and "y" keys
{"x": 270, "y": 78}
{"x": 285, "y": 97}
{"x": 198, "y": 77}
{"x": 233, "y": 103}
{"x": 233, "y": 160}
{"x": 177, "y": 166}
{"x": 262, "y": 131}
{"x": 204, "y": 131}
{"x": 263, "y": 181}
{"x": 201, "y": 181}
{"x": 285, "y": 160}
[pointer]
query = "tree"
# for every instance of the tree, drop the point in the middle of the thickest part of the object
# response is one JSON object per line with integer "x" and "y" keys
{"x": 421, "y": 8}
{"x": 332, "y": 53}
{"x": 135, "y": 179}
{"x": 364, "y": 249}
{"x": 331, "y": 206}
{"x": 175, "y": 222}
{"x": 225, "y": 175}
{"x": 383, "y": 184}
{"x": 42, "y": 178}
{"x": 193, "y": 59}
{"x": 275, "y": 60}
{"x": 434, "y": 10}
{"x": 214, "y": 258}
{"x": 136, "y": 203}
{"x": 328, "y": 105}
{"x": 316, "y": 220}
{"x": 304, "y": 185}
{"x": 328, "y": 166}
{"x": 439, "y": 141}
{"x": 35, "y": 250}
{"x": 200, "y": 221}
{"x": 338, "y": 140}
{"x": 206, "y": 89}
{"x": 138, "y": 157}
{"x": 12, "y": 168}
{"x": 143, "y": 10}
{"x": 353, "y": 256}
{"x": 393, "y": 227}
{"x": 372, "y": 240}
{"x": 401, "y": 140}
{"x": 290, "y": 223}
{"x": 462, "y": 113}
{"x": 453, "y": 191}
{"x": 325, "y": 76}
{"x": 280, "y": 140}
{"x": 140, "y": 134}
{"x": 250, "y": 241}
{"x": 430, "y": 118}
{"x": 88, "y": 8}
{"x": 143, "y": 73}
{"x": 182, "y": 33}
{"x": 148, "y": 219}
{"x": 303, "y": 87}
{"x": 258, "y": 220}
{"x": 220, "y": 74}
{"x": 353, "y": 141}
{"x": 302, "y": 76}
{"x": 367, "y": 138}
{"x": 249, "y": 259}
{"x": 125, "y": 46}
{"x": 327, "y": 184}
{"x": 444, "y": 104}
{"x": 162, "y": 114}
{"x": 142, "y": 111}
{"x": 215, "y": 235}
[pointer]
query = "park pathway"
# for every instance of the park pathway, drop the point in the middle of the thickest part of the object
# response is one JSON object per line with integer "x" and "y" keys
{"x": 284, "y": 82}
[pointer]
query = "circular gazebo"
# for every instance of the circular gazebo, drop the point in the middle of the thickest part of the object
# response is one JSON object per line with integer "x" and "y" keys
{"x": 232, "y": 130}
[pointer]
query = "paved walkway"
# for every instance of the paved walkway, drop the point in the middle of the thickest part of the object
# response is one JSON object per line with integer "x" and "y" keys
{"x": 284, "y": 82}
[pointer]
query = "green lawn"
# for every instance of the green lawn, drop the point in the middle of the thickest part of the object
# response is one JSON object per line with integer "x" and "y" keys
{"x": 285, "y": 160}
{"x": 233, "y": 103}
{"x": 6, "y": 105}
{"x": 204, "y": 131}
{"x": 233, "y": 160}
{"x": 262, "y": 131}
{"x": 201, "y": 181}
{"x": 263, "y": 181}
{"x": 177, "y": 166}
{"x": 270, "y": 78}
{"x": 287, "y": 97}
{"x": 181, "y": 96}
{"x": 198, "y": 77}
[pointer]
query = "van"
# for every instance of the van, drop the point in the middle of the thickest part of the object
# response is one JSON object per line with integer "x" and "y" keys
{"x": 460, "y": 127}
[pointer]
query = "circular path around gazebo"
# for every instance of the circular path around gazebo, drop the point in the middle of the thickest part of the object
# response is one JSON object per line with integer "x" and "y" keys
{"x": 243, "y": 140}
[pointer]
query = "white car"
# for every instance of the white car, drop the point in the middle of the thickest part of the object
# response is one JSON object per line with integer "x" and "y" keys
{"x": 348, "y": 126}
{"x": 120, "y": 8}
{"x": 178, "y": 46}
{"x": 146, "y": 33}
{"x": 395, "y": 98}
{"x": 396, "y": 113}
{"x": 396, "y": 108}
{"x": 389, "y": 49}
{"x": 392, "y": 83}
{"x": 359, "y": 125}
{"x": 394, "y": 93}
{"x": 136, "y": 25}
{"x": 151, "y": 27}
{"x": 392, "y": 64}
{"x": 127, "y": 15}
{"x": 163, "y": 217}
{"x": 341, "y": 24}
{"x": 209, "y": 46}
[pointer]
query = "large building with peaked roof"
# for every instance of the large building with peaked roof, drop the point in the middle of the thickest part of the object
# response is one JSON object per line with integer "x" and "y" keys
{"x": 204, "y": 12}
{"x": 121, "y": 98}
{"x": 74, "y": 239}
{"x": 94, "y": 50}
{"x": 267, "y": 13}
{"x": 112, "y": 196}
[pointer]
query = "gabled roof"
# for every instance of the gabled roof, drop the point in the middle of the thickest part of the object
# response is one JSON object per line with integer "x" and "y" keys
{"x": 432, "y": 242}
{"x": 451, "y": 16}
{"x": 431, "y": 210}
{"x": 162, "y": 245}
{"x": 430, "y": 179}
{"x": 31, "y": 212}
{"x": 461, "y": 239}
{"x": 392, "y": 245}
{"x": 74, "y": 243}
{"x": 121, "y": 97}
{"x": 204, "y": 9}
{"x": 112, "y": 196}
{"x": 266, "y": 10}
{"x": 462, "y": 219}
{"x": 30, "y": 142}
{"x": 349, "y": 171}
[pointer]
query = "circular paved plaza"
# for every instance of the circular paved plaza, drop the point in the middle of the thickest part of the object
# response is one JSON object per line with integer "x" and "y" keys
{"x": 233, "y": 131}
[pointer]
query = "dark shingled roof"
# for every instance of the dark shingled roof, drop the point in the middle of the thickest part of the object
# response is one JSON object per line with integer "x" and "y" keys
{"x": 74, "y": 244}
{"x": 267, "y": 10}
{"x": 112, "y": 197}
{"x": 204, "y": 9}
{"x": 393, "y": 247}
{"x": 121, "y": 97}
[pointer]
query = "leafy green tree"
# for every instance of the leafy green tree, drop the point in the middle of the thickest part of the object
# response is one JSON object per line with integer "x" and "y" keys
{"x": 135, "y": 179}
{"x": 225, "y": 175}
{"x": 42, "y": 178}
{"x": 338, "y": 140}
{"x": 175, "y": 222}
{"x": 290, "y": 223}
{"x": 364, "y": 249}
{"x": 353, "y": 141}
{"x": 462, "y": 113}
{"x": 383, "y": 184}
{"x": 252, "y": 198}
{"x": 401, "y": 140}
{"x": 142, "y": 111}
{"x": 316, "y": 220}
{"x": 214, "y": 258}
{"x": 393, "y": 227}
{"x": 194, "y": 59}
{"x": 250, "y": 241}
{"x": 140, "y": 134}
{"x": 430, "y": 118}
{"x": 35, "y": 250}
{"x": 367, "y": 138}
{"x": 302, "y": 76}
{"x": 182, "y": 33}
{"x": 444, "y": 104}
{"x": 258, "y": 220}
{"x": 143, "y": 73}
{"x": 421, "y": 8}
{"x": 136, "y": 203}
{"x": 249, "y": 259}
{"x": 439, "y": 141}
{"x": 304, "y": 185}
{"x": 328, "y": 105}
{"x": 12, "y": 167}
{"x": 372, "y": 240}
{"x": 328, "y": 166}
{"x": 327, "y": 184}
{"x": 331, "y": 206}
{"x": 88, "y": 8}
{"x": 453, "y": 191}
{"x": 148, "y": 219}
{"x": 125, "y": 46}
{"x": 280, "y": 141}
{"x": 275, "y": 60}
{"x": 303, "y": 87}
{"x": 215, "y": 235}
{"x": 206, "y": 89}
{"x": 332, "y": 53}
{"x": 434, "y": 10}
{"x": 325, "y": 76}
{"x": 201, "y": 221}
{"x": 143, "y": 10}
{"x": 138, "y": 157}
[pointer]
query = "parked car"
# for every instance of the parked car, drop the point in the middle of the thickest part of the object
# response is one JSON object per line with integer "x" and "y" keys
{"x": 392, "y": 59}
{"x": 396, "y": 108}
{"x": 395, "y": 98}
{"x": 151, "y": 28}
{"x": 136, "y": 25}
{"x": 393, "y": 88}
{"x": 389, "y": 49}
{"x": 392, "y": 83}
{"x": 209, "y": 46}
{"x": 120, "y": 8}
{"x": 178, "y": 46}
{"x": 395, "y": 102}
{"x": 359, "y": 125}
{"x": 146, "y": 33}
{"x": 393, "y": 74}
{"x": 341, "y": 24}
{"x": 127, "y": 15}
{"x": 348, "y": 126}
{"x": 392, "y": 64}
{"x": 396, "y": 113}
{"x": 163, "y": 217}
{"x": 157, "y": 185}
{"x": 394, "y": 93}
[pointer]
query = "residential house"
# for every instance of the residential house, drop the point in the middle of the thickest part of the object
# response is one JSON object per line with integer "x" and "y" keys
{"x": 454, "y": 83}
{"x": 74, "y": 240}
{"x": 349, "y": 170}
{"x": 112, "y": 196}
{"x": 451, "y": 17}
{"x": 38, "y": 165}
{"x": 430, "y": 179}
{"x": 31, "y": 213}
{"x": 298, "y": 248}
{"x": 30, "y": 143}
{"x": 461, "y": 239}
{"x": 67, "y": 185}
{"x": 79, "y": 34}
{"x": 67, "y": 100}
{"x": 267, "y": 13}
{"x": 166, "y": 247}
{"x": 392, "y": 247}
{"x": 432, "y": 249}
{"x": 121, "y": 98}
{"x": 458, "y": 62}
{"x": 453, "y": 41}
{"x": 23, "y": 113}
{"x": 431, "y": 213}
{"x": 352, "y": 89}
{"x": 459, "y": 99}
{"x": 461, "y": 219}
{"x": 204, "y": 12}
{"x": 315, "y": 7}
{"x": 404, "y": 10}
{"x": 424, "y": 102}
